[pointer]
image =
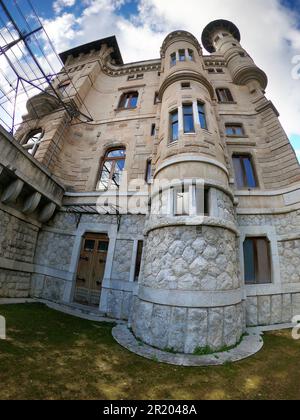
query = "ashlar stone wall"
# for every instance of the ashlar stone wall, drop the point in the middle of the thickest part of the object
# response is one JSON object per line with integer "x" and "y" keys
{"x": 17, "y": 246}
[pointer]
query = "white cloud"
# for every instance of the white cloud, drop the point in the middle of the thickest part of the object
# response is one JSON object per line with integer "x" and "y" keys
{"x": 60, "y": 5}
{"x": 269, "y": 33}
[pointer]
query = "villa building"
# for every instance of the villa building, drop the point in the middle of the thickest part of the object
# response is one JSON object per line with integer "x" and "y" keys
{"x": 177, "y": 208}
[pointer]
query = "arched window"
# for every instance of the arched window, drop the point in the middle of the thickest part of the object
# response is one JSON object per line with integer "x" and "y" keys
{"x": 112, "y": 168}
{"x": 129, "y": 100}
{"x": 33, "y": 141}
{"x": 224, "y": 95}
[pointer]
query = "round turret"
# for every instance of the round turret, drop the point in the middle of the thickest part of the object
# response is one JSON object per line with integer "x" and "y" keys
{"x": 223, "y": 37}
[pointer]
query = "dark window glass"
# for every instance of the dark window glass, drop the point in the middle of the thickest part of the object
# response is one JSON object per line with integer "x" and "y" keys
{"x": 174, "y": 126}
{"x": 235, "y": 130}
{"x": 257, "y": 262}
{"x": 185, "y": 85}
{"x": 138, "y": 262}
{"x": 149, "y": 171}
{"x": 244, "y": 172}
{"x": 129, "y": 100}
{"x": 191, "y": 55}
{"x": 103, "y": 246}
{"x": 202, "y": 201}
{"x": 188, "y": 118}
{"x": 112, "y": 169}
{"x": 89, "y": 245}
{"x": 224, "y": 95}
{"x": 153, "y": 129}
{"x": 173, "y": 59}
{"x": 202, "y": 116}
{"x": 181, "y": 55}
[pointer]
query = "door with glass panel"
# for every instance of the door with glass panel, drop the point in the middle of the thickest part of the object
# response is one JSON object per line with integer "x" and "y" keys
{"x": 91, "y": 269}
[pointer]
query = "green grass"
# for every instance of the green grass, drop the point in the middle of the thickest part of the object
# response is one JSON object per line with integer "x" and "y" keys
{"x": 49, "y": 355}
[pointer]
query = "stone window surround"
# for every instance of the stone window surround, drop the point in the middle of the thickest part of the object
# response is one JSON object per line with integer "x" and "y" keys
{"x": 270, "y": 233}
{"x": 197, "y": 124}
{"x": 256, "y": 169}
{"x": 169, "y": 190}
{"x": 187, "y": 56}
{"x": 113, "y": 235}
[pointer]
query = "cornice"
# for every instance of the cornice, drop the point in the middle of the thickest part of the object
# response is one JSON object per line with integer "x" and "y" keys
{"x": 185, "y": 75}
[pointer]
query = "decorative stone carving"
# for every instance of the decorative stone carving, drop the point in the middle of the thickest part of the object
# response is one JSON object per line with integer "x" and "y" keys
{"x": 12, "y": 192}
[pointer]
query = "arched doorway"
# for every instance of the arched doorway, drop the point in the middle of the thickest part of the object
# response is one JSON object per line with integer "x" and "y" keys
{"x": 91, "y": 269}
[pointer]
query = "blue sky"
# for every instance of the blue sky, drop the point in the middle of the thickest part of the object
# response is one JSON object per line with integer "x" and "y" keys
{"x": 272, "y": 38}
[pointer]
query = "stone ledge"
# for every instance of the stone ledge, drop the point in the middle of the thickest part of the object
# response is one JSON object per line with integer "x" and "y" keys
{"x": 250, "y": 345}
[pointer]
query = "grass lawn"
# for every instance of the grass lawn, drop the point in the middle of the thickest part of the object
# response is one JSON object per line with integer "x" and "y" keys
{"x": 49, "y": 355}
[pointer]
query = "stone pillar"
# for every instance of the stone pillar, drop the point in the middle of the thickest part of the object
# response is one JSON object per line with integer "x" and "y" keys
{"x": 190, "y": 293}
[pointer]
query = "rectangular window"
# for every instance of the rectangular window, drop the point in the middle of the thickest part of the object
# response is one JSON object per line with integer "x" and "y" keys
{"x": 174, "y": 126}
{"x": 202, "y": 201}
{"x": 156, "y": 98}
{"x": 202, "y": 116}
{"x": 185, "y": 85}
{"x": 188, "y": 119}
{"x": 138, "y": 262}
{"x": 181, "y": 55}
{"x": 191, "y": 55}
{"x": 244, "y": 172}
{"x": 224, "y": 95}
{"x": 139, "y": 76}
{"x": 173, "y": 59}
{"x": 257, "y": 261}
{"x": 149, "y": 171}
{"x": 235, "y": 130}
{"x": 153, "y": 130}
{"x": 182, "y": 201}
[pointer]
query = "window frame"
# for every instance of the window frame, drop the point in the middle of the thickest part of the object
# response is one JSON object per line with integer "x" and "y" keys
{"x": 127, "y": 97}
{"x": 153, "y": 130}
{"x": 256, "y": 263}
{"x": 36, "y": 144}
{"x": 234, "y": 126}
{"x": 173, "y": 59}
{"x": 148, "y": 173}
{"x": 203, "y": 113}
{"x": 230, "y": 99}
{"x": 112, "y": 172}
{"x": 242, "y": 157}
{"x": 181, "y": 57}
{"x": 191, "y": 54}
{"x": 138, "y": 260}
{"x": 184, "y": 106}
{"x": 172, "y": 124}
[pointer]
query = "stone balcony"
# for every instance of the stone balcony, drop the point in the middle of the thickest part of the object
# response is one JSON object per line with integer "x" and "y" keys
{"x": 25, "y": 184}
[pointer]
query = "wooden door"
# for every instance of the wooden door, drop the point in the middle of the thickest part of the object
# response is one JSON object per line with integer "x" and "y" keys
{"x": 91, "y": 269}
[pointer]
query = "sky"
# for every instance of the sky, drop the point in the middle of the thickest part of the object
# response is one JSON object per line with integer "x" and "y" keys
{"x": 270, "y": 31}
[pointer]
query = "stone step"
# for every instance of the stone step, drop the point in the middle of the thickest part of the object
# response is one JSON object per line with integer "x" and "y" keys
{"x": 80, "y": 311}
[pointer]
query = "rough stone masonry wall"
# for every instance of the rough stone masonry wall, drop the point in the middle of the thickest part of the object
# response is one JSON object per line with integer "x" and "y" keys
{"x": 54, "y": 254}
{"x": 278, "y": 308}
{"x": 187, "y": 259}
{"x": 17, "y": 246}
{"x": 185, "y": 330}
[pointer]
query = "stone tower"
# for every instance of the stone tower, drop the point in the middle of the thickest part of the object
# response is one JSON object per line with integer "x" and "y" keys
{"x": 190, "y": 295}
